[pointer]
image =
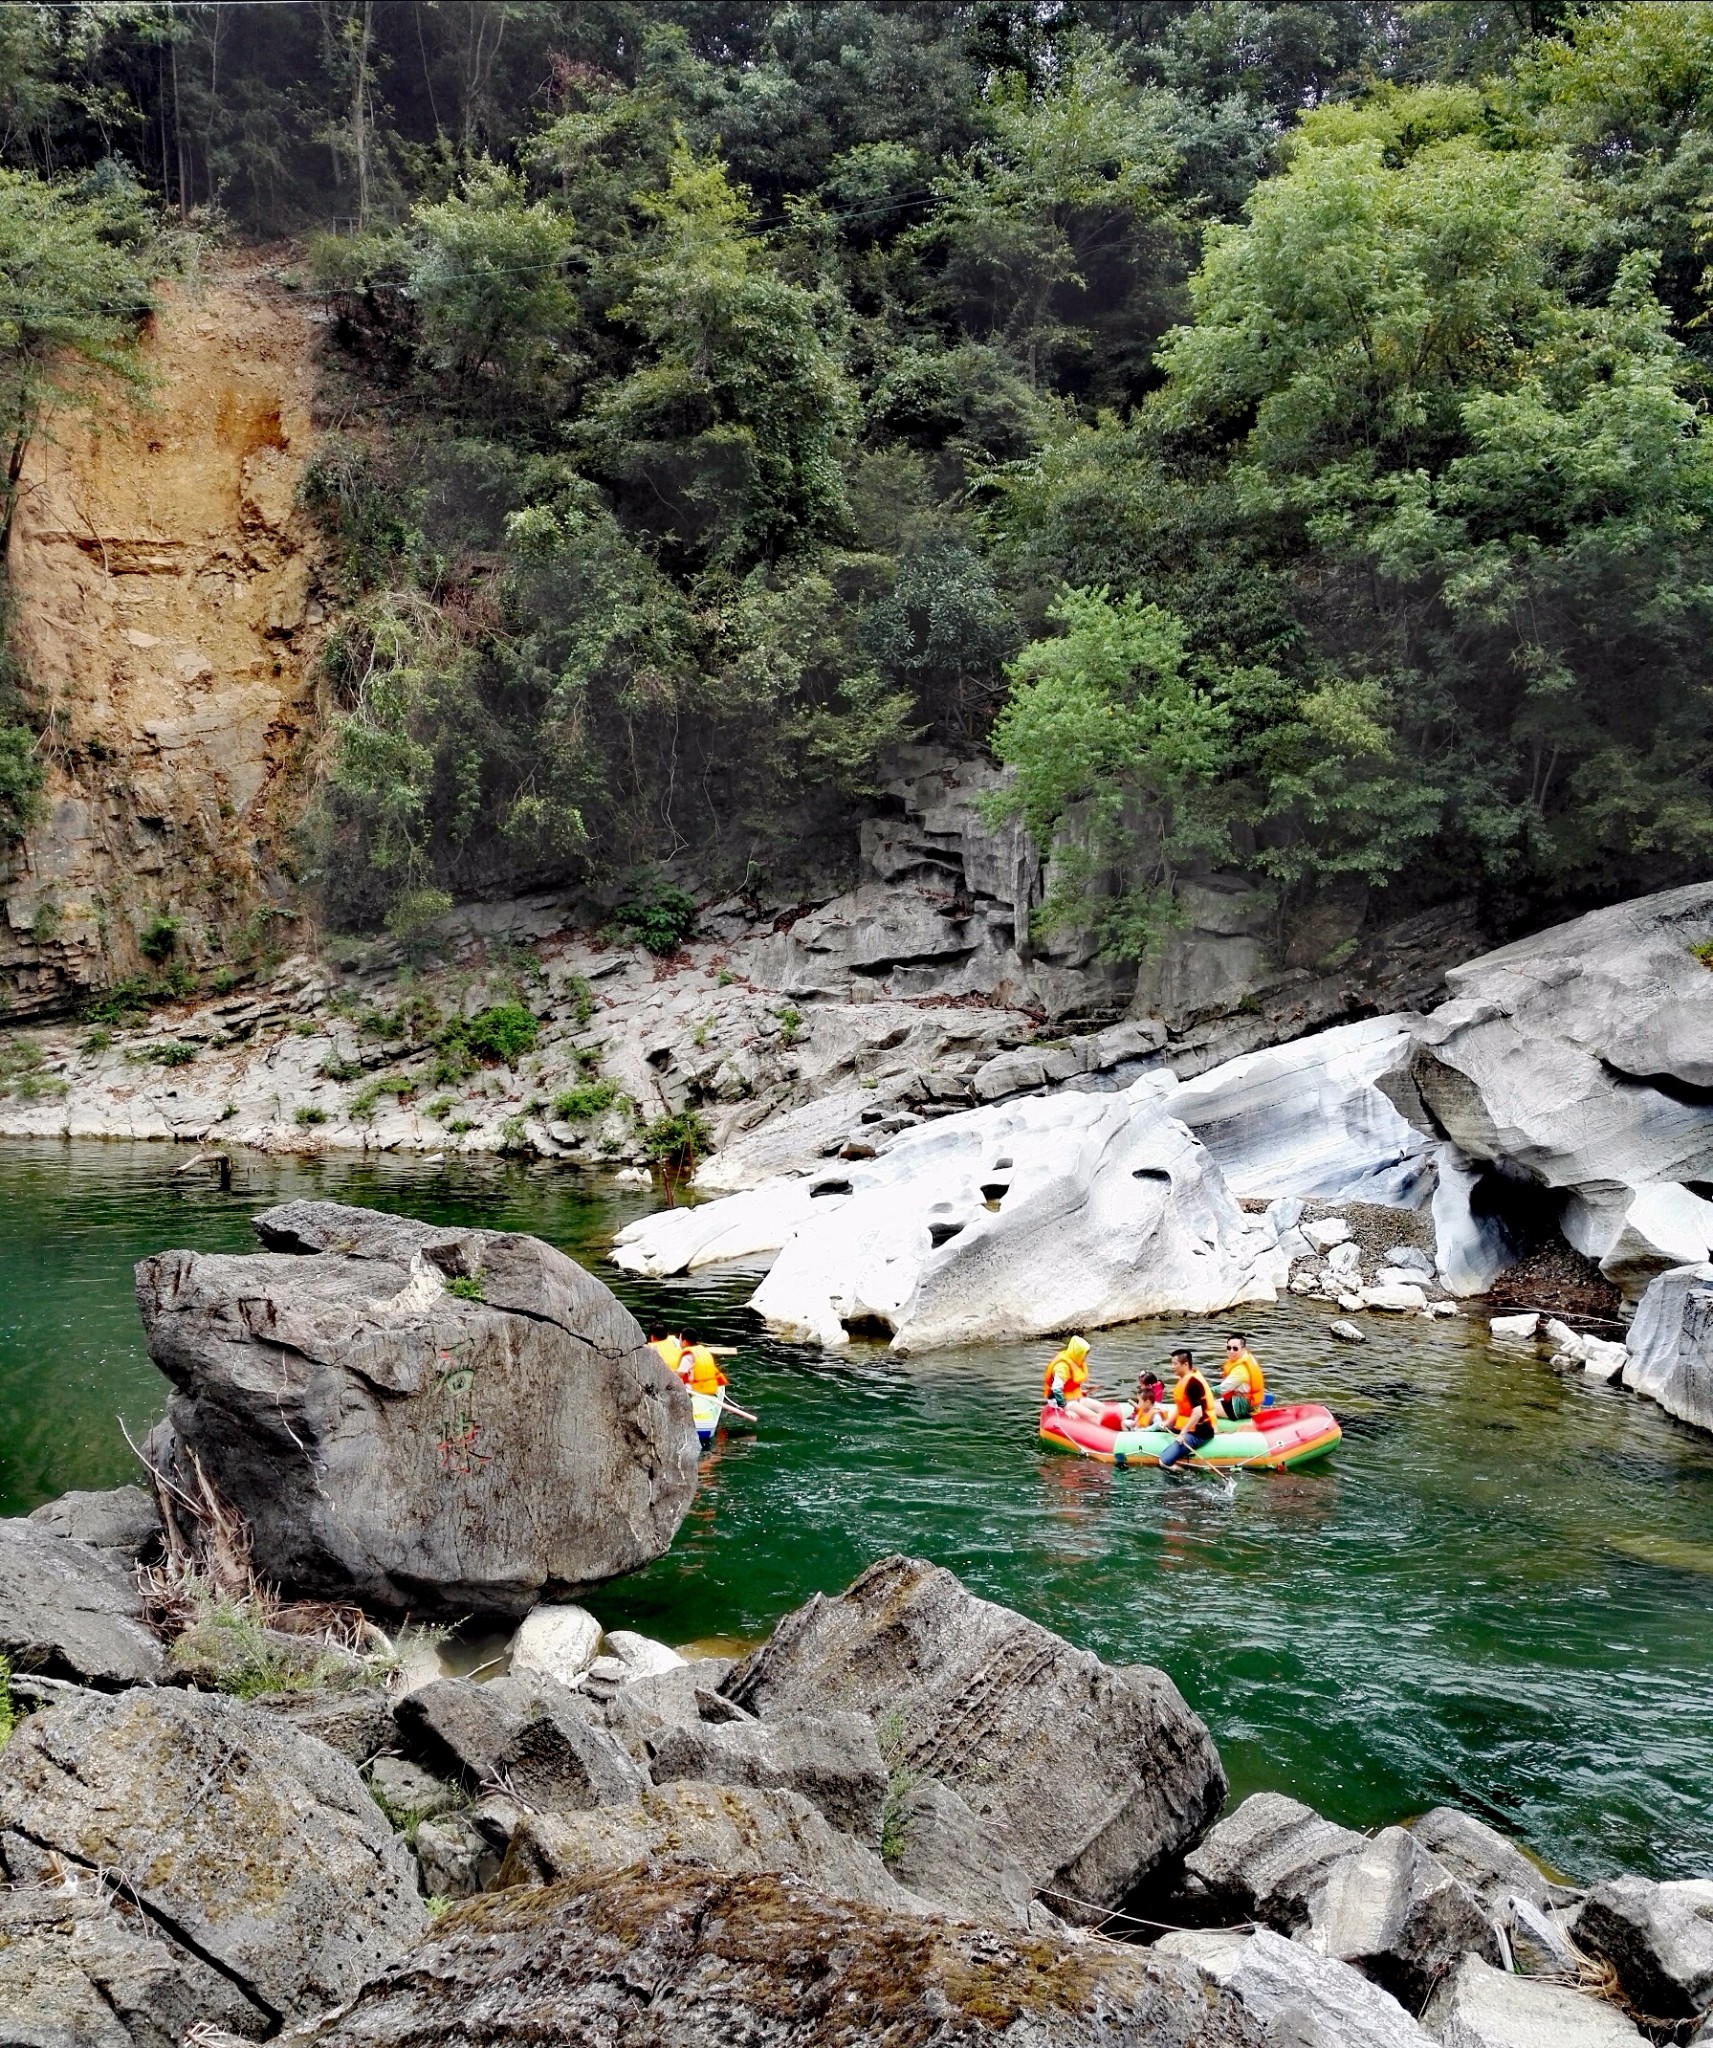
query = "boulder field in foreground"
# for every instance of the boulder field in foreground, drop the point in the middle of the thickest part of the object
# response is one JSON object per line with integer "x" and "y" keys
{"x": 681, "y": 1957}
{"x": 406, "y": 1446}
{"x": 1093, "y": 1776}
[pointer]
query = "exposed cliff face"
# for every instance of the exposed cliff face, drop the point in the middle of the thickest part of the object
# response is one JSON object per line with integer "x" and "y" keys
{"x": 161, "y": 571}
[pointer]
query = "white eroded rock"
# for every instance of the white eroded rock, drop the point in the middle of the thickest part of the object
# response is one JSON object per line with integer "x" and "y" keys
{"x": 556, "y": 1642}
{"x": 1029, "y": 1217}
{"x": 1399, "y": 1296}
{"x": 1295, "y": 1995}
{"x": 1480, "y": 2007}
{"x": 1665, "y": 1225}
{"x": 713, "y": 1233}
{"x": 1515, "y": 1329}
{"x": 1671, "y": 1345}
{"x": 1328, "y": 1233}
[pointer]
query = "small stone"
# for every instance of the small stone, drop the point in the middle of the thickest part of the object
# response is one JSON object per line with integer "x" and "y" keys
{"x": 1514, "y": 1329}
{"x": 1397, "y": 1297}
{"x": 1350, "y": 1303}
{"x": 1325, "y": 1232}
{"x": 1349, "y": 1332}
{"x": 555, "y": 1642}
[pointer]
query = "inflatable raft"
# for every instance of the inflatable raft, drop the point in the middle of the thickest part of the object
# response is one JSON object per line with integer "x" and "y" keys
{"x": 1276, "y": 1440}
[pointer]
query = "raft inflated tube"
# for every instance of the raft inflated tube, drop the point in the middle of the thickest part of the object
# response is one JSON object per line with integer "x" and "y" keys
{"x": 1279, "y": 1439}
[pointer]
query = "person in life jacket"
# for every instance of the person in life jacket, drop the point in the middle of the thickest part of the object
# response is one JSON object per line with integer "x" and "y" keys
{"x": 1242, "y": 1390}
{"x": 702, "y": 1374}
{"x": 671, "y": 1351}
{"x": 1193, "y": 1411}
{"x": 1066, "y": 1374}
{"x": 1150, "y": 1393}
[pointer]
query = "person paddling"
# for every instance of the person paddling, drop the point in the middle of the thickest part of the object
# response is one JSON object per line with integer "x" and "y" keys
{"x": 1066, "y": 1374}
{"x": 701, "y": 1370}
{"x": 1193, "y": 1411}
{"x": 1243, "y": 1390}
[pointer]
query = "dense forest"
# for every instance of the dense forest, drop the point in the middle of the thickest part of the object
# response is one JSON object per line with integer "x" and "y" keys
{"x": 1275, "y": 431}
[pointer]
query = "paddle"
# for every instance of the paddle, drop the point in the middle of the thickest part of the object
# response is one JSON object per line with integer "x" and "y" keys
{"x": 742, "y": 1414}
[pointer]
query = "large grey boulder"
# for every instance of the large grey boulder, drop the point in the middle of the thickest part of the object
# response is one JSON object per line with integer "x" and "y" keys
{"x": 1297, "y": 1998}
{"x": 356, "y": 1721}
{"x": 1670, "y": 1344}
{"x": 530, "y": 1735}
{"x": 679, "y": 1957}
{"x": 1093, "y": 1776}
{"x": 396, "y": 1444}
{"x": 1659, "y": 1939}
{"x": 1398, "y": 1915}
{"x": 1477, "y": 2006}
{"x": 1484, "y": 1860}
{"x": 832, "y": 1759}
{"x": 728, "y": 1827}
{"x": 82, "y": 1968}
{"x": 72, "y": 1611}
{"x": 1269, "y": 1860}
{"x": 944, "y": 1853}
{"x": 240, "y": 1839}
{"x": 1581, "y": 1058}
{"x": 122, "y": 1518}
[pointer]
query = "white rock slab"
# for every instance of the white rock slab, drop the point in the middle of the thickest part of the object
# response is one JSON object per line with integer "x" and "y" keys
{"x": 1515, "y": 1329}
{"x": 714, "y": 1233}
{"x": 1480, "y": 2007}
{"x": 556, "y": 1642}
{"x": 1294, "y": 1994}
{"x": 1671, "y": 1345}
{"x": 1665, "y": 1225}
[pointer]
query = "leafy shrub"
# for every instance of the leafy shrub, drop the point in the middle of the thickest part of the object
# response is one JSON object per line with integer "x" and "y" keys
{"x": 675, "y": 1143}
{"x": 661, "y": 921}
{"x": 581, "y": 997}
{"x": 591, "y": 1099}
{"x": 412, "y": 915}
{"x": 8, "y": 1712}
{"x": 334, "y": 1068}
{"x": 168, "y": 1052}
{"x": 467, "y": 1287}
{"x": 158, "y": 940}
{"x": 503, "y": 1031}
{"x": 1704, "y": 952}
{"x": 125, "y": 1001}
{"x": 308, "y": 1113}
{"x": 459, "y": 1125}
{"x": 790, "y": 1022}
{"x": 97, "y": 1040}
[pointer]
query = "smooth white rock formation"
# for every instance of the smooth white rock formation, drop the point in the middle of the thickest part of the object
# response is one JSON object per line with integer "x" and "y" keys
{"x": 1480, "y": 2007}
{"x": 1665, "y": 1225}
{"x": 1294, "y": 1994}
{"x": 712, "y": 1233}
{"x": 1582, "y": 1057}
{"x": 1470, "y": 1250}
{"x": 1030, "y": 1217}
{"x": 556, "y": 1642}
{"x": 1671, "y": 1345}
{"x": 1399, "y": 1297}
{"x": 641, "y": 1656}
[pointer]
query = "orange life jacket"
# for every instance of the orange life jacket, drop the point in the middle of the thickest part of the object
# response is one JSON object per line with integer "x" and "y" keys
{"x": 705, "y": 1374}
{"x": 1248, "y": 1369}
{"x": 1192, "y": 1402}
{"x": 1074, "y": 1370}
{"x": 670, "y": 1351}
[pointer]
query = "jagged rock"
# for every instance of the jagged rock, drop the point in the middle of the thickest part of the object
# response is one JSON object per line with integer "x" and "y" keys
{"x": 951, "y": 1858}
{"x": 460, "y": 1854}
{"x": 72, "y": 1611}
{"x": 1477, "y": 2006}
{"x": 84, "y": 1969}
{"x": 1482, "y": 1858}
{"x": 406, "y": 1791}
{"x": 641, "y": 1656}
{"x": 1270, "y": 1860}
{"x": 1671, "y": 1345}
{"x": 395, "y": 1444}
{"x": 532, "y": 1735}
{"x": 1579, "y": 1057}
{"x": 1299, "y": 1999}
{"x": 555, "y": 1642}
{"x": 1035, "y": 1216}
{"x": 123, "y": 1518}
{"x": 690, "y": 1958}
{"x": 358, "y": 1723}
{"x": 729, "y": 1827}
{"x": 991, "y": 1703}
{"x": 679, "y": 1698}
{"x": 242, "y": 1839}
{"x": 1407, "y": 1258}
{"x": 1659, "y": 1939}
{"x": 1399, "y": 1916}
{"x": 1539, "y": 1943}
{"x": 832, "y": 1759}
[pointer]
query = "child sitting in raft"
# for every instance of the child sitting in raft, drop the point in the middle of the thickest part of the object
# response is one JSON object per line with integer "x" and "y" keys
{"x": 1150, "y": 1394}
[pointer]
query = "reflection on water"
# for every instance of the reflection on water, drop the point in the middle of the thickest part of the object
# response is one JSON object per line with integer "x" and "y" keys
{"x": 1494, "y": 1593}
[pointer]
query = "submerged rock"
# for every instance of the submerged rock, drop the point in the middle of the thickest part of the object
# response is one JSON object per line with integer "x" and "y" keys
{"x": 72, "y": 1611}
{"x": 1293, "y": 1994}
{"x": 1093, "y": 1776}
{"x": 401, "y": 1444}
{"x": 687, "y": 1958}
{"x": 241, "y": 1839}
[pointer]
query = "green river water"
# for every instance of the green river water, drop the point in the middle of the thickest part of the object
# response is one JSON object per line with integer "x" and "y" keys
{"x": 1495, "y": 1593}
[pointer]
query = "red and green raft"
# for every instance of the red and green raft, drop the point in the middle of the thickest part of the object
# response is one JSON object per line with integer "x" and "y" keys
{"x": 1277, "y": 1440}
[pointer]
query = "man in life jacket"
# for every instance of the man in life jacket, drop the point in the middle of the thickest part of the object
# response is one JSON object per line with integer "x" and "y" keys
{"x": 702, "y": 1374}
{"x": 1193, "y": 1411}
{"x": 670, "y": 1351}
{"x": 1066, "y": 1374}
{"x": 1242, "y": 1390}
